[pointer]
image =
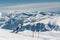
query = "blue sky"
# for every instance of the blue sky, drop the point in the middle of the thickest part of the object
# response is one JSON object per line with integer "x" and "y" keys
{"x": 7, "y": 5}
{"x": 14, "y": 2}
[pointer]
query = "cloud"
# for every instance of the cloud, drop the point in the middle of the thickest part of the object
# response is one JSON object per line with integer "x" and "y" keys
{"x": 33, "y": 6}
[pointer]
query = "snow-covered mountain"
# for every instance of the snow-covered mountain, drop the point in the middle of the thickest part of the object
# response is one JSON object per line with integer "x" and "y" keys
{"x": 44, "y": 21}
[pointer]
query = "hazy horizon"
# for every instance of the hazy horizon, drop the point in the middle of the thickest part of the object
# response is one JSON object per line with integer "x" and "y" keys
{"x": 29, "y": 4}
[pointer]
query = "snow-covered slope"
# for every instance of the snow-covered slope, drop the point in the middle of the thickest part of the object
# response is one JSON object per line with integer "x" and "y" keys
{"x": 27, "y": 35}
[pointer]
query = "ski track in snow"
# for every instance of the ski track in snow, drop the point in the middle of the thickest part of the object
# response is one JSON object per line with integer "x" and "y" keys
{"x": 27, "y": 35}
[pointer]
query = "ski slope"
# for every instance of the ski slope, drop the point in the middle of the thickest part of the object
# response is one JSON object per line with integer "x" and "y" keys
{"x": 27, "y": 35}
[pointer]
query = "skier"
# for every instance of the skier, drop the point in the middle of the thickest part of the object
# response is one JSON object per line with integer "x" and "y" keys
{"x": 33, "y": 28}
{"x": 17, "y": 28}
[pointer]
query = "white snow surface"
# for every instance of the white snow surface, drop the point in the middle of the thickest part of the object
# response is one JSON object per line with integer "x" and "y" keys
{"x": 27, "y": 35}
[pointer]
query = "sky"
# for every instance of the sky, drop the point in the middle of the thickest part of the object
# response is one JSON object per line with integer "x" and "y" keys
{"x": 15, "y": 2}
{"x": 29, "y": 4}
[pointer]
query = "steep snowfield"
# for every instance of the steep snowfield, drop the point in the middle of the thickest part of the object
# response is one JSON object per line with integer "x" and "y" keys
{"x": 27, "y": 35}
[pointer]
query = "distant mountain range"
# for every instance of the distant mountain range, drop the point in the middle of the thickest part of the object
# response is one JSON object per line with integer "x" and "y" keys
{"x": 44, "y": 21}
